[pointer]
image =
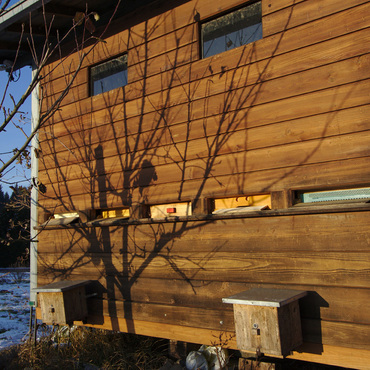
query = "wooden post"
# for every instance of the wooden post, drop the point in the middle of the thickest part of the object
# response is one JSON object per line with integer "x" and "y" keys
{"x": 249, "y": 364}
{"x": 87, "y": 215}
{"x": 138, "y": 211}
{"x": 200, "y": 206}
{"x": 282, "y": 199}
{"x": 177, "y": 349}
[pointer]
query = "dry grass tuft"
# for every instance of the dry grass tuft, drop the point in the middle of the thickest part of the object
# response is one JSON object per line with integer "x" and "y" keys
{"x": 85, "y": 348}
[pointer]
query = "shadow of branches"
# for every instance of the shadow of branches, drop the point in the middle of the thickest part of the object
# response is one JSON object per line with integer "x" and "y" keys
{"x": 193, "y": 135}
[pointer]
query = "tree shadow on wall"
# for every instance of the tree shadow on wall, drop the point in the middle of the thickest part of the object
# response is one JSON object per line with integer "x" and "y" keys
{"x": 180, "y": 131}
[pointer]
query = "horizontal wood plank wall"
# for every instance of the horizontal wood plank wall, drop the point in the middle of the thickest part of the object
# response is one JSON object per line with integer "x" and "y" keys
{"x": 288, "y": 112}
{"x": 347, "y": 121}
{"x": 178, "y": 273}
{"x": 169, "y": 133}
{"x": 345, "y": 172}
{"x": 271, "y": 46}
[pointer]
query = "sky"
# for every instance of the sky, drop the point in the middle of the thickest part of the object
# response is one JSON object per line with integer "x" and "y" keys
{"x": 13, "y": 137}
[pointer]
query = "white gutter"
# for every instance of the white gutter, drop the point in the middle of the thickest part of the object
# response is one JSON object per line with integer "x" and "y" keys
{"x": 35, "y": 114}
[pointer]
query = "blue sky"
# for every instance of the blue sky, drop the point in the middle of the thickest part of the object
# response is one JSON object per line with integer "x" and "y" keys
{"x": 13, "y": 138}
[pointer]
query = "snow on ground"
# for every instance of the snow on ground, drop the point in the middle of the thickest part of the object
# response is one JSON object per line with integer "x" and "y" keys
{"x": 14, "y": 308}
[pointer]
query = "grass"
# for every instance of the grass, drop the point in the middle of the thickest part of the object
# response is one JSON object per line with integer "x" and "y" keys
{"x": 87, "y": 348}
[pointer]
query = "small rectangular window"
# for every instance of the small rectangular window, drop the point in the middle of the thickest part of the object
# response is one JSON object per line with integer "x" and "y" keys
{"x": 231, "y": 30}
{"x": 113, "y": 213}
{"x": 335, "y": 195}
{"x": 108, "y": 75}
{"x": 62, "y": 219}
{"x": 170, "y": 210}
{"x": 241, "y": 204}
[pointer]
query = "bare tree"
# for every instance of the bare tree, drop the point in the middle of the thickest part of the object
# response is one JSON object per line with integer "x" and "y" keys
{"x": 84, "y": 37}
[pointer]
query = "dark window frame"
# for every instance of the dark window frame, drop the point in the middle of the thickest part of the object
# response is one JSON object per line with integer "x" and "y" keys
{"x": 226, "y": 14}
{"x": 105, "y": 75}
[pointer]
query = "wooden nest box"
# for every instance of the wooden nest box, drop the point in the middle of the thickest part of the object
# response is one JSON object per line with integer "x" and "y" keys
{"x": 63, "y": 302}
{"x": 267, "y": 320}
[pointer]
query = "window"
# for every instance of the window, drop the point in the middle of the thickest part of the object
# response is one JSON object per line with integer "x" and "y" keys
{"x": 108, "y": 75}
{"x": 170, "y": 210}
{"x": 356, "y": 194}
{"x": 241, "y": 204}
{"x": 231, "y": 30}
{"x": 62, "y": 219}
{"x": 114, "y": 213}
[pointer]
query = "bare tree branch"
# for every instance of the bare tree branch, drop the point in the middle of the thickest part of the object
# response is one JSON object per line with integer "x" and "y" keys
{"x": 40, "y": 61}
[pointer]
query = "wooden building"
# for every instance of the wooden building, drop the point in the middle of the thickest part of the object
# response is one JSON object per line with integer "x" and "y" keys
{"x": 231, "y": 153}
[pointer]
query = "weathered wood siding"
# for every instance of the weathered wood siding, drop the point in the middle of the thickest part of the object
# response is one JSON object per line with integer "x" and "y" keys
{"x": 288, "y": 112}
